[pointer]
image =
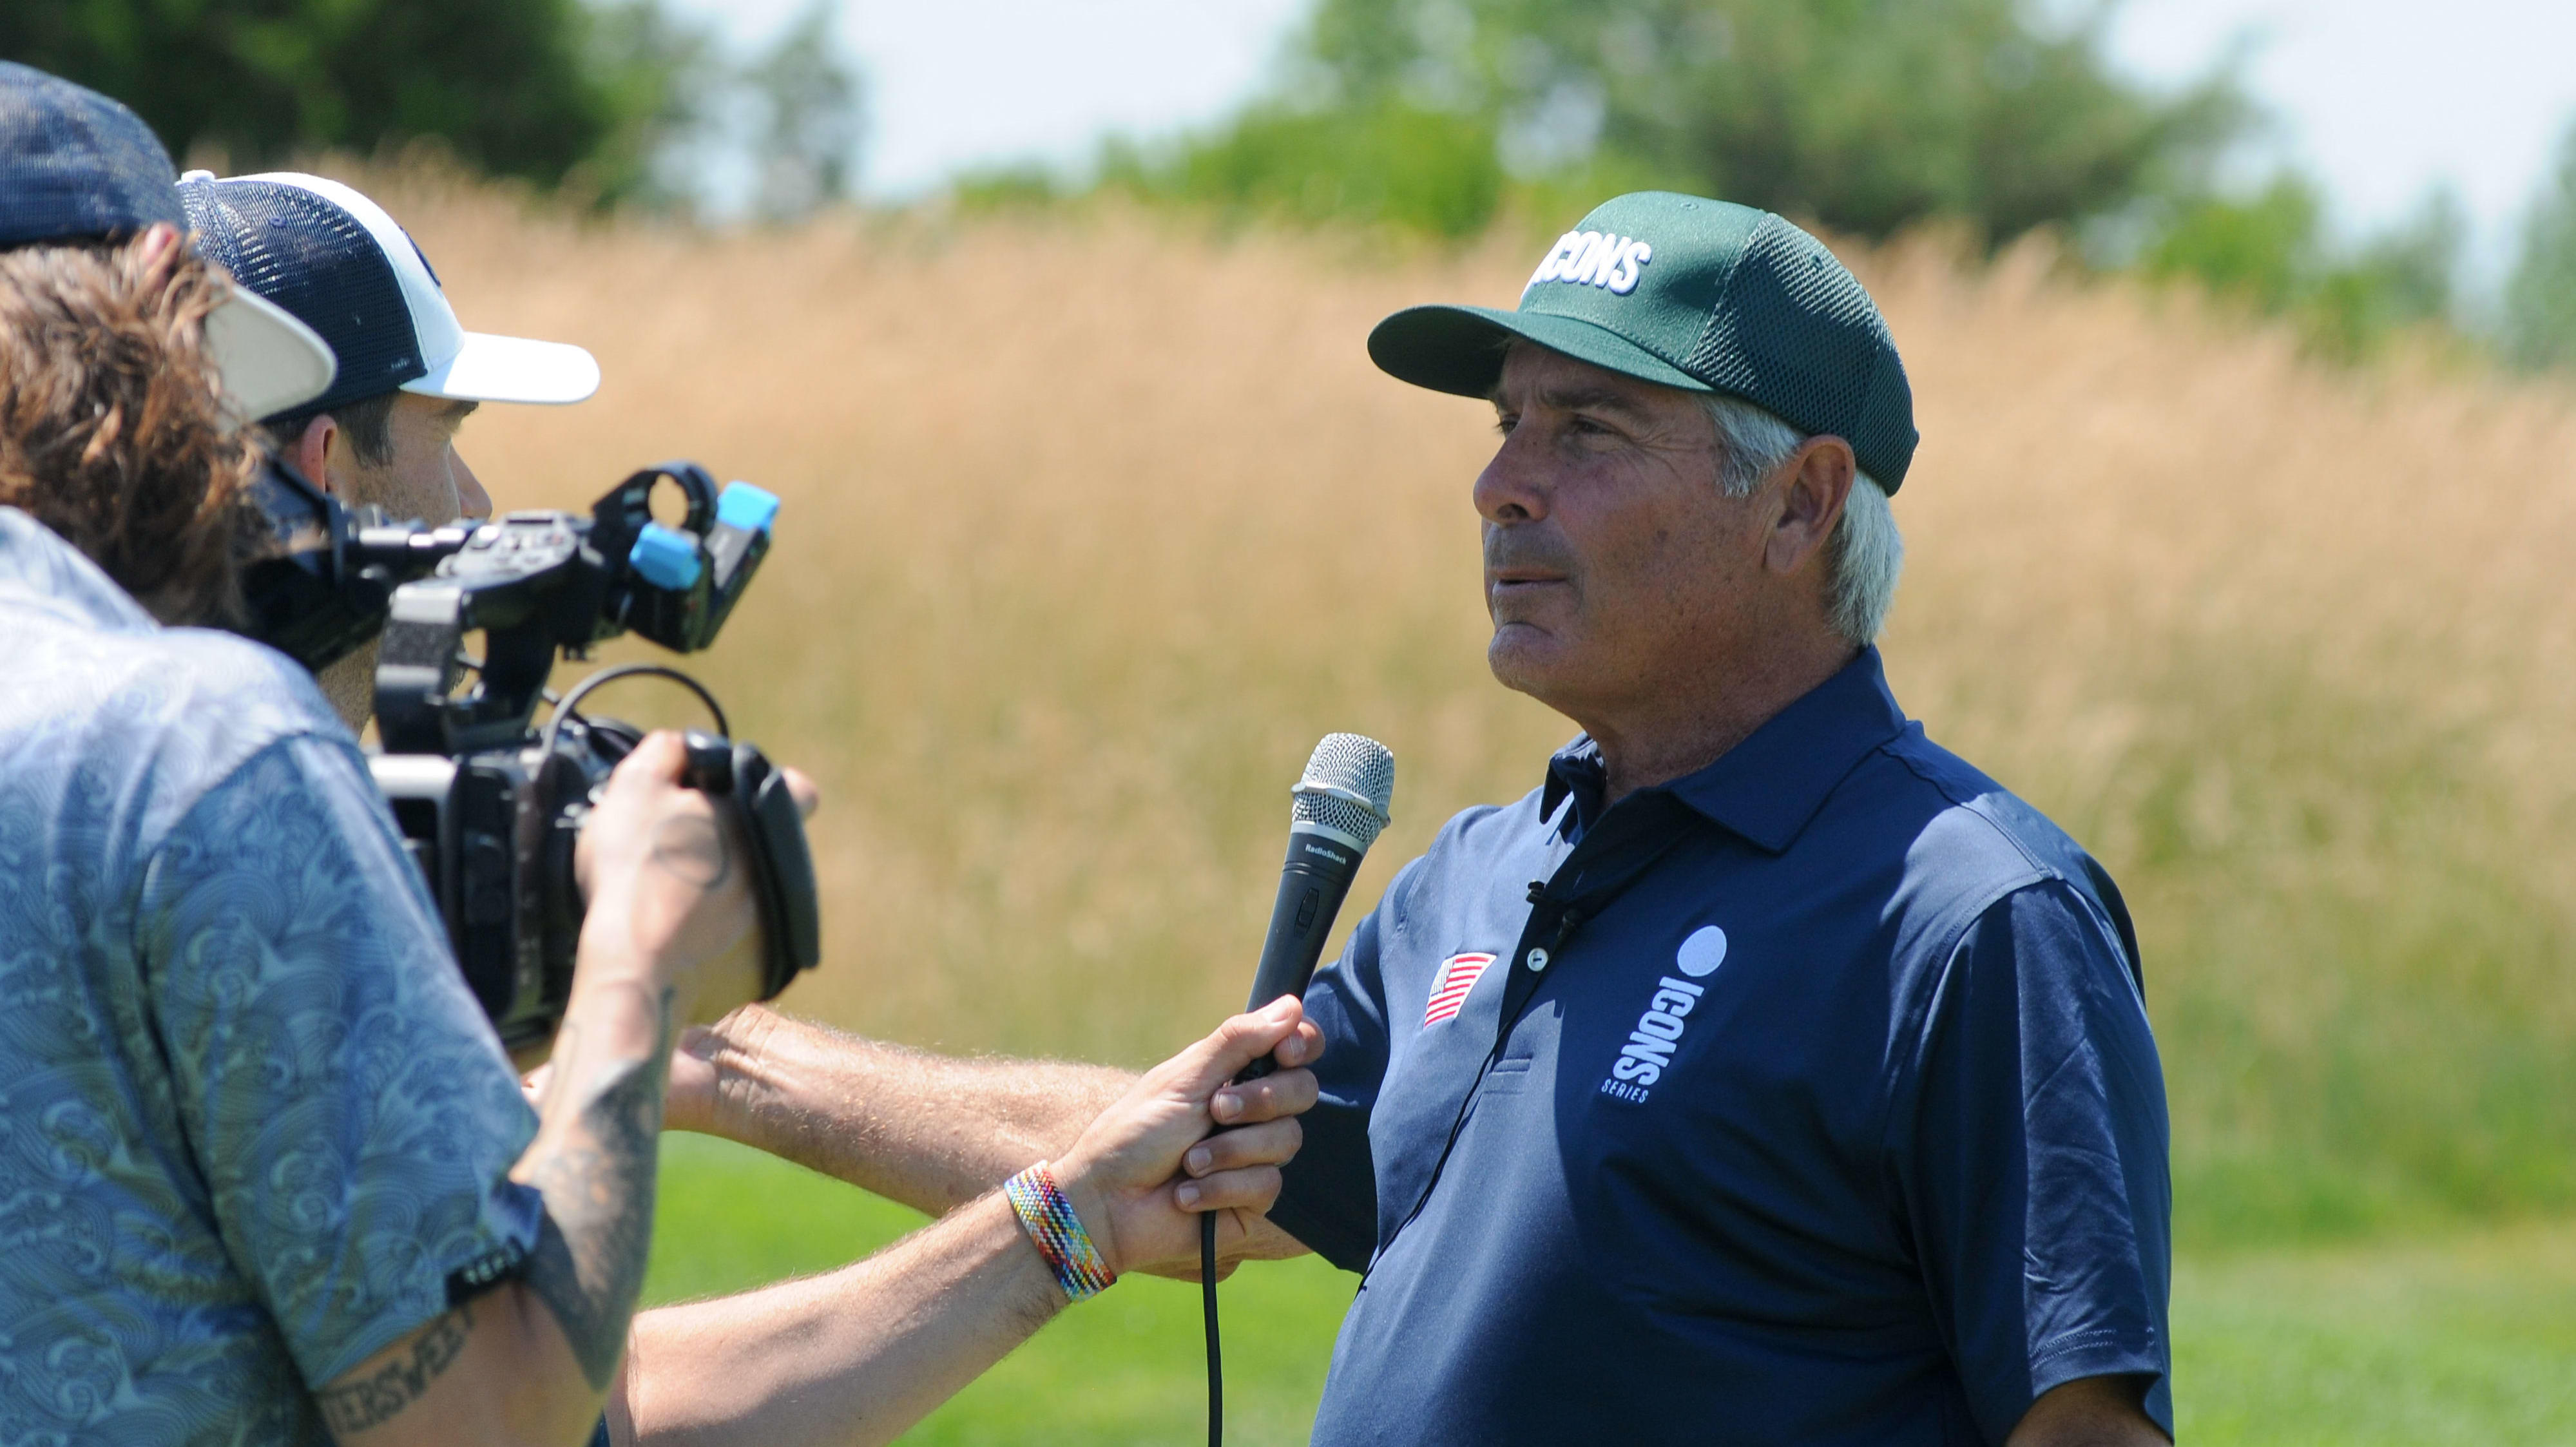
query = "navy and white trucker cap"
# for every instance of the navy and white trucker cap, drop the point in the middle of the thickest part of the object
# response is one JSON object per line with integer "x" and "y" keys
{"x": 77, "y": 166}
{"x": 334, "y": 258}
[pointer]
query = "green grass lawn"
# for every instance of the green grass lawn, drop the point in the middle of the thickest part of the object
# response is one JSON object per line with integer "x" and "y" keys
{"x": 2470, "y": 1340}
{"x": 2467, "y": 1339}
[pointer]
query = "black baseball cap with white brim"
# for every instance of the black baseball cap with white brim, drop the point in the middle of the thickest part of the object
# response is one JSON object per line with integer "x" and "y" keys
{"x": 337, "y": 261}
{"x": 77, "y": 166}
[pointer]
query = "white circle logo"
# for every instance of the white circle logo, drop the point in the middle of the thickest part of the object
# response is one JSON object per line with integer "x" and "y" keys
{"x": 1703, "y": 952}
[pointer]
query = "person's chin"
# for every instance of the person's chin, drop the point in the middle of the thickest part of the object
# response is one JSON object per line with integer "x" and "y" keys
{"x": 1524, "y": 656}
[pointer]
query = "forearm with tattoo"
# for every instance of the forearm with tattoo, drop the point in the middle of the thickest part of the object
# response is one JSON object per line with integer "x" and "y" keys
{"x": 597, "y": 1182}
{"x": 611, "y": 1069}
{"x": 665, "y": 924}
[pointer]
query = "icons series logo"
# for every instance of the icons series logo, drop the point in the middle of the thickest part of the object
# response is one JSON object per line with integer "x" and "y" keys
{"x": 1649, "y": 1051}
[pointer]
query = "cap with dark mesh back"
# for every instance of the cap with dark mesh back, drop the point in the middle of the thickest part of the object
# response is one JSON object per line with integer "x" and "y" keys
{"x": 75, "y": 166}
{"x": 1703, "y": 295}
{"x": 318, "y": 261}
{"x": 74, "y": 163}
{"x": 329, "y": 254}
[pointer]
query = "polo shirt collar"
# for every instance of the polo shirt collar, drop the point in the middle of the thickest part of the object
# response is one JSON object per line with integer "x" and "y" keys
{"x": 1766, "y": 788}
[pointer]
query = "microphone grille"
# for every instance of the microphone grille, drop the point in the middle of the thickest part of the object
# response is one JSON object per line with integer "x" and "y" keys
{"x": 1349, "y": 785}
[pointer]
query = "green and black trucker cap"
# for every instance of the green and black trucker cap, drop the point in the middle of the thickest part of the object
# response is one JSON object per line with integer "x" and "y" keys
{"x": 1703, "y": 295}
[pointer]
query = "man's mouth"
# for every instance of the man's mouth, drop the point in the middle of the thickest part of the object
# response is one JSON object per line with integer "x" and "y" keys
{"x": 1518, "y": 580}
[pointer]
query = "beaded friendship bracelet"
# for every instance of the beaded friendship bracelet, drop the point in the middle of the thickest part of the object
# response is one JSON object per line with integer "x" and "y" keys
{"x": 1057, "y": 1233}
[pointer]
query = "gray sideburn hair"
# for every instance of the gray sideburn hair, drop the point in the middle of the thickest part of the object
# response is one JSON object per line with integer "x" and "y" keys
{"x": 1865, "y": 553}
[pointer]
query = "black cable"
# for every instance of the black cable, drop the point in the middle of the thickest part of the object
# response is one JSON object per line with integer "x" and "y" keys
{"x": 1216, "y": 1360}
{"x": 581, "y": 690}
{"x": 1215, "y": 1355}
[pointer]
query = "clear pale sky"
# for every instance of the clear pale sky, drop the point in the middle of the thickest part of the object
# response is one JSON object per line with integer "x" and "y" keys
{"x": 2382, "y": 99}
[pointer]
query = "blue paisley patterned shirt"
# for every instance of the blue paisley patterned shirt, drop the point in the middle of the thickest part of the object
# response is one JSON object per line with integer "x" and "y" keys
{"x": 251, "y": 1122}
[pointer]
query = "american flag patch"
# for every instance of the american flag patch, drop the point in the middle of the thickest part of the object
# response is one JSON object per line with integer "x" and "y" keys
{"x": 1458, "y": 974}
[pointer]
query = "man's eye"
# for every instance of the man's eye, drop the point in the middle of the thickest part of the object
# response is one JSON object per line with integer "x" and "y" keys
{"x": 1505, "y": 423}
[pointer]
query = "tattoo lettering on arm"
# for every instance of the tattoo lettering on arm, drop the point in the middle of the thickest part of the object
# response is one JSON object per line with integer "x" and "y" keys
{"x": 375, "y": 1400}
{"x": 588, "y": 1262}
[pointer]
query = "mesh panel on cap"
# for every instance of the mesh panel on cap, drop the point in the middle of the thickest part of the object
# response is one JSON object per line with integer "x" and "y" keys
{"x": 1798, "y": 334}
{"x": 317, "y": 261}
{"x": 75, "y": 164}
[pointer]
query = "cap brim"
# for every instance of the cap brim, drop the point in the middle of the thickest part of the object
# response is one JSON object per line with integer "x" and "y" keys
{"x": 1460, "y": 348}
{"x": 270, "y": 362}
{"x": 511, "y": 369}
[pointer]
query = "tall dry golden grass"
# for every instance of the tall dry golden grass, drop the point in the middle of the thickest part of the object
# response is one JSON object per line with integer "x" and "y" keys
{"x": 1094, "y": 525}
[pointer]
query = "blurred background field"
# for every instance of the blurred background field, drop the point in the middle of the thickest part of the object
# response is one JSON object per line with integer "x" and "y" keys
{"x": 1093, "y": 528}
{"x": 2240, "y": 542}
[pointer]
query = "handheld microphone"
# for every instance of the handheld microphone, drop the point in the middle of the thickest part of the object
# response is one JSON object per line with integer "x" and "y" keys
{"x": 1341, "y": 804}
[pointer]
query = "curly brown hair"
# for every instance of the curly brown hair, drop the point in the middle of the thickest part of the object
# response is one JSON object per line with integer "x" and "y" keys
{"x": 113, "y": 430}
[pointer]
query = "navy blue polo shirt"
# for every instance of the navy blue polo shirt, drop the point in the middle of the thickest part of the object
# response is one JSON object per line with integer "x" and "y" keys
{"x": 1807, "y": 1099}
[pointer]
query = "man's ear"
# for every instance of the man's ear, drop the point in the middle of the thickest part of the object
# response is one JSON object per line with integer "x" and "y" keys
{"x": 1814, "y": 484}
{"x": 311, "y": 453}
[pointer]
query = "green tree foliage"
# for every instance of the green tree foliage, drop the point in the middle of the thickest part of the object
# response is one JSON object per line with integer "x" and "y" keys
{"x": 1866, "y": 115}
{"x": 2273, "y": 253}
{"x": 2402, "y": 280}
{"x": 661, "y": 83}
{"x": 1387, "y": 163}
{"x": 2540, "y": 298}
{"x": 2263, "y": 251}
{"x": 616, "y": 100}
{"x": 501, "y": 82}
{"x": 808, "y": 144}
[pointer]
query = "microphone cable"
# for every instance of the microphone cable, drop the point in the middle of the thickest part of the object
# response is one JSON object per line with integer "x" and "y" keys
{"x": 1216, "y": 1356}
{"x": 1341, "y": 804}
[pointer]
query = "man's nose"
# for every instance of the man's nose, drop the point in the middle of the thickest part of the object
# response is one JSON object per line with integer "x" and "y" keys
{"x": 1513, "y": 488}
{"x": 469, "y": 489}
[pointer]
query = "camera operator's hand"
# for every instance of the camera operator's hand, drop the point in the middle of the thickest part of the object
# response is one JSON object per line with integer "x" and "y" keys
{"x": 668, "y": 884}
{"x": 693, "y": 1077}
{"x": 1145, "y": 1169}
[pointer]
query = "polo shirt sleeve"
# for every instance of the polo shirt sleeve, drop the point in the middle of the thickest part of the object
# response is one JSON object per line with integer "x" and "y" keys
{"x": 347, "y": 1106}
{"x": 1328, "y": 1192}
{"x": 2030, "y": 1155}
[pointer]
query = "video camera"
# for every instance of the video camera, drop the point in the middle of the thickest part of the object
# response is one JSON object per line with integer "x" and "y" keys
{"x": 490, "y": 805}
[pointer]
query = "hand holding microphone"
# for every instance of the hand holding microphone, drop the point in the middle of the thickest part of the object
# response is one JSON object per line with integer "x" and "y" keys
{"x": 1121, "y": 1174}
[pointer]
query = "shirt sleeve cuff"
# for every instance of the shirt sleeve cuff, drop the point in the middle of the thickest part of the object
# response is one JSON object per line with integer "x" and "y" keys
{"x": 2106, "y": 1355}
{"x": 492, "y": 1252}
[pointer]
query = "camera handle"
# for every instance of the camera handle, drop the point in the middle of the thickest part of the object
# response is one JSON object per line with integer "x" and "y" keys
{"x": 741, "y": 782}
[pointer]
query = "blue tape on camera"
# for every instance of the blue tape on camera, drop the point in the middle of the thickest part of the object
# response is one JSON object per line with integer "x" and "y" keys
{"x": 744, "y": 506}
{"x": 665, "y": 557}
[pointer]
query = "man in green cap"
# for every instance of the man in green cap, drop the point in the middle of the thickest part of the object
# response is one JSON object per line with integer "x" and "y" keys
{"x": 1767, "y": 1075}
